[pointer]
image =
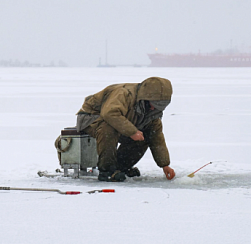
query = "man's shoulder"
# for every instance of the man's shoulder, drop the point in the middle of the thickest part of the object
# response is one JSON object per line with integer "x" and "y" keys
{"x": 128, "y": 88}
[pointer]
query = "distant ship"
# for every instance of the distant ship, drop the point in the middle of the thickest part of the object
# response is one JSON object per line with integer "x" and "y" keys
{"x": 200, "y": 60}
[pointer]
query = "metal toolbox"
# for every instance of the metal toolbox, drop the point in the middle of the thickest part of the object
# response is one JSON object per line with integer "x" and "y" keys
{"x": 81, "y": 151}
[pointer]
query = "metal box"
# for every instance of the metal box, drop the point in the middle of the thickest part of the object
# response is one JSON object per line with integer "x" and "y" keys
{"x": 81, "y": 153}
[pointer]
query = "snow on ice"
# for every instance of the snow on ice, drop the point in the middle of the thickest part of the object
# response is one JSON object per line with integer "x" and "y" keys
{"x": 208, "y": 120}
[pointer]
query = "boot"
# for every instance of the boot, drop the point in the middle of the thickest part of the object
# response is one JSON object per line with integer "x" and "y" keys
{"x": 116, "y": 176}
{"x": 132, "y": 172}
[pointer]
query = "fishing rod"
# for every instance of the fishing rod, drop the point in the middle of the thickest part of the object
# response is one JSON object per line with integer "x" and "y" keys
{"x": 192, "y": 174}
{"x": 54, "y": 190}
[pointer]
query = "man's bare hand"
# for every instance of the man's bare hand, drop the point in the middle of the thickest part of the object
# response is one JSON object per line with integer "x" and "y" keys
{"x": 138, "y": 136}
{"x": 169, "y": 172}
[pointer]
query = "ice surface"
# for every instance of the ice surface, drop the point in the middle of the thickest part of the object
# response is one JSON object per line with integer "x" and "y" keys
{"x": 208, "y": 121}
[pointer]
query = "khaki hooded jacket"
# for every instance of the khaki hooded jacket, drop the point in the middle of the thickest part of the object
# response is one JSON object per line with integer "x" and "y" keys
{"x": 116, "y": 105}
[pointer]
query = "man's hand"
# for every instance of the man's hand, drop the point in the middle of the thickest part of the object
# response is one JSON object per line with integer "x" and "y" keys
{"x": 138, "y": 136}
{"x": 169, "y": 172}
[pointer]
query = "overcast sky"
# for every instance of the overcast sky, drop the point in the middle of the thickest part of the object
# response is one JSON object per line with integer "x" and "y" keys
{"x": 76, "y": 31}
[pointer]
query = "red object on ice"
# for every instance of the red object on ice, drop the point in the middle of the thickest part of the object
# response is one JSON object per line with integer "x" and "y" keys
{"x": 108, "y": 190}
{"x": 72, "y": 192}
{"x": 103, "y": 190}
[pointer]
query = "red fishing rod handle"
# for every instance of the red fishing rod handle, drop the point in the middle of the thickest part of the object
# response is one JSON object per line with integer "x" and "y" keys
{"x": 108, "y": 190}
{"x": 72, "y": 192}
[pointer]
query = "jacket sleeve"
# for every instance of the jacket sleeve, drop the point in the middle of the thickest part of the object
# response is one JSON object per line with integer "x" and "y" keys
{"x": 114, "y": 112}
{"x": 157, "y": 144}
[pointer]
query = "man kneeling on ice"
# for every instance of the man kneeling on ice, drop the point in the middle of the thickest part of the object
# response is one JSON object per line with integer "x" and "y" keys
{"x": 129, "y": 114}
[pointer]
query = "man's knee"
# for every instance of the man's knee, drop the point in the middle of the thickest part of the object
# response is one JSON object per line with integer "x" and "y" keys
{"x": 106, "y": 132}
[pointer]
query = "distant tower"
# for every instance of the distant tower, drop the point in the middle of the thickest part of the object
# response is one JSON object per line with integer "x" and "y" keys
{"x": 106, "y": 58}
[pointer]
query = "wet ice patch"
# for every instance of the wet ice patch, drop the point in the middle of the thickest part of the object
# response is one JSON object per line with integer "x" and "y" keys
{"x": 201, "y": 181}
{"x": 185, "y": 180}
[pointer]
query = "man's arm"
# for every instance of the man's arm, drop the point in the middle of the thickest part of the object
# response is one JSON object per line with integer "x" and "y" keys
{"x": 159, "y": 149}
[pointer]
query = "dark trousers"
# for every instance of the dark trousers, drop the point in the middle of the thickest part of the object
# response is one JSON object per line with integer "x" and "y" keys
{"x": 128, "y": 153}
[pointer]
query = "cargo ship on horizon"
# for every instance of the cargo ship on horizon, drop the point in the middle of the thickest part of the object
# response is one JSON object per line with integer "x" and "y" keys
{"x": 200, "y": 60}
